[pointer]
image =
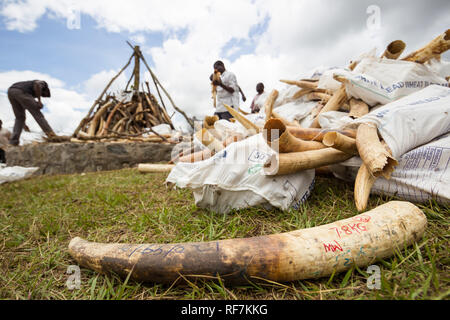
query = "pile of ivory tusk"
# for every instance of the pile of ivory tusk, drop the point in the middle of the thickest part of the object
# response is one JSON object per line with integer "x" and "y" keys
{"x": 316, "y": 148}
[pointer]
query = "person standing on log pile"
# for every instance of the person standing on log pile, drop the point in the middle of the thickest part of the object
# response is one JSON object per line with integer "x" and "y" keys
{"x": 5, "y": 135}
{"x": 227, "y": 91}
{"x": 22, "y": 97}
{"x": 256, "y": 105}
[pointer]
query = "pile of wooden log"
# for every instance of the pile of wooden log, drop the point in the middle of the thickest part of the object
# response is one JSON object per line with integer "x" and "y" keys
{"x": 130, "y": 115}
{"x": 114, "y": 117}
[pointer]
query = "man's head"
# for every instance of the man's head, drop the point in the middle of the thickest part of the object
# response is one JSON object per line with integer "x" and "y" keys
{"x": 45, "y": 91}
{"x": 219, "y": 66}
{"x": 260, "y": 88}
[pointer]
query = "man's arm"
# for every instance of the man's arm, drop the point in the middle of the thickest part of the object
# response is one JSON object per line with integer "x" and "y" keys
{"x": 242, "y": 93}
{"x": 38, "y": 92}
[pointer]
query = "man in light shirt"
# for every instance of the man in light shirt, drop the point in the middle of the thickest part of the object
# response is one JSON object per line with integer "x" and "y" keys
{"x": 227, "y": 91}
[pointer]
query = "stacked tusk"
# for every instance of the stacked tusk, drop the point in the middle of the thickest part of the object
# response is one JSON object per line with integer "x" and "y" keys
{"x": 243, "y": 120}
{"x": 208, "y": 140}
{"x": 358, "y": 108}
{"x": 151, "y": 167}
{"x": 209, "y": 121}
{"x": 435, "y": 48}
{"x": 335, "y": 102}
{"x": 301, "y": 84}
{"x": 340, "y": 142}
{"x": 302, "y": 254}
{"x": 281, "y": 140}
{"x": 317, "y": 134}
{"x": 268, "y": 105}
{"x": 394, "y": 50}
{"x": 373, "y": 153}
{"x": 287, "y": 163}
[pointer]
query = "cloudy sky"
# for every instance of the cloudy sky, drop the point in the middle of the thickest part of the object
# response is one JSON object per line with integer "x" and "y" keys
{"x": 78, "y": 46}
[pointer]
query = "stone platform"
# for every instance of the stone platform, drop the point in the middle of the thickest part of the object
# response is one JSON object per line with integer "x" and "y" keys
{"x": 66, "y": 158}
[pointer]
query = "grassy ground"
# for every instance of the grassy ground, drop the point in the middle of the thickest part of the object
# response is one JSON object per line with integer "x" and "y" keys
{"x": 38, "y": 217}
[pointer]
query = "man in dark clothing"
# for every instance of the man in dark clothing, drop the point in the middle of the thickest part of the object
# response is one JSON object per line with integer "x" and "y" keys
{"x": 22, "y": 97}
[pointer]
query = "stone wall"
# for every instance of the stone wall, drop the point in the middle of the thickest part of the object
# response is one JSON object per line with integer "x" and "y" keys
{"x": 62, "y": 158}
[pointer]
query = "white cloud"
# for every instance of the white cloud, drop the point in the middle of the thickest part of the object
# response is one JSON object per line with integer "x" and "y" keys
{"x": 299, "y": 36}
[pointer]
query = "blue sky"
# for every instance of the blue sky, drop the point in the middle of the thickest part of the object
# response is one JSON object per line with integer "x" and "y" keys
{"x": 259, "y": 41}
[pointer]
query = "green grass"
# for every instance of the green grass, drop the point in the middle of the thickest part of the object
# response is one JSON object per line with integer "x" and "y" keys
{"x": 39, "y": 216}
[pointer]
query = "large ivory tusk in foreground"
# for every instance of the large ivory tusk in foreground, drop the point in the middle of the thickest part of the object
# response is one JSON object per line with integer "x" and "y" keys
{"x": 301, "y": 254}
{"x": 436, "y": 47}
{"x": 286, "y": 163}
{"x": 374, "y": 155}
{"x": 394, "y": 50}
{"x": 281, "y": 140}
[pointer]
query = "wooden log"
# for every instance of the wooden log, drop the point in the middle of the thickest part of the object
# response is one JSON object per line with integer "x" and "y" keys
{"x": 437, "y": 46}
{"x": 301, "y": 254}
{"x": 287, "y": 163}
{"x": 281, "y": 140}
{"x": 394, "y": 50}
{"x": 110, "y": 117}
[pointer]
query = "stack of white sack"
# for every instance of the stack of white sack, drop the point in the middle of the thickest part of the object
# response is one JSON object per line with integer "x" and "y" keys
{"x": 415, "y": 128}
{"x": 233, "y": 179}
{"x": 10, "y": 174}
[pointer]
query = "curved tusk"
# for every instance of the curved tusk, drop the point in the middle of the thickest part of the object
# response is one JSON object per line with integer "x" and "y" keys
{"x": 209, "y": 121}
{"x": 340, "y": 142}
{"x": 373, "y": 153}
{"x": 243, "y": 120}
{"x": 196, "y": 156}
{"x": 363, "y": 184}
{"x": 268, "y": 105}
{"x": 301, "y": 254}
{"x": 394, "y": 50}
{"x": 337, "y": 99}
{"x": 436, "y": 47}
{"x": 302, "y": 84}
{"x": 317, "y": 134}
{"x": 154, "y": 167}
{"x": 286, "y": 163}
{"x": 358, "y": 108}
{"x": 281, "y": 140}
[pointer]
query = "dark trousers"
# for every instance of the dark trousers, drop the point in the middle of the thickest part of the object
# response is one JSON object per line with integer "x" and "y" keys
{"x": 21, "y": 101}
{"x": 224, "y": 115}
{"x": 2, "y": 156}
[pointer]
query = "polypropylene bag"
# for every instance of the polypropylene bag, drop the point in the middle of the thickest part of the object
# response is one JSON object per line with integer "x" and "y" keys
{"x": 383, "y": 81}
{"x": 413, "y": 120}
{"x": 422, "y": 174}
{"x": 9, "y": 174}
{"x": 234, "y": 179}
{"x": 296, "y": 110}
